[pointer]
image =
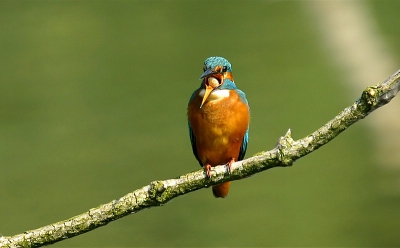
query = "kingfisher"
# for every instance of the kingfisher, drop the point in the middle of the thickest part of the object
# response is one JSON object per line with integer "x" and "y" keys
{"x": 218, "y": 120}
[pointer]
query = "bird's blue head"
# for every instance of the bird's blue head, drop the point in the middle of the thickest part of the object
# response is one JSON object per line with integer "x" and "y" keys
{"x": 217, "y": 75}
{"x": 214, "y": 65}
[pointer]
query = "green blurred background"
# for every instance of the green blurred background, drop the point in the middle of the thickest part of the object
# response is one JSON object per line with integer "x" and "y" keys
{"x": 93, "y": 98}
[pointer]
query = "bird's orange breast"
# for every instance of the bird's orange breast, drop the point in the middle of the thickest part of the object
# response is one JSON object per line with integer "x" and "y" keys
{"x": 219, "y": 127}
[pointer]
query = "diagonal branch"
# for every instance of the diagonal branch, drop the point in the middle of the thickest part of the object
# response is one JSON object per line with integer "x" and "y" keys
{"x": 158, "y": 193}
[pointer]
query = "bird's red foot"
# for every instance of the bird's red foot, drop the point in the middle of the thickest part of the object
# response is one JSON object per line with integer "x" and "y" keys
{"x": 207, "y": 169}
{"x": 229, "y": 164}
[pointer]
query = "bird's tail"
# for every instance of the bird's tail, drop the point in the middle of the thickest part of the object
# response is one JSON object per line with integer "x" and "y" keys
{"x": 221, "y": 190}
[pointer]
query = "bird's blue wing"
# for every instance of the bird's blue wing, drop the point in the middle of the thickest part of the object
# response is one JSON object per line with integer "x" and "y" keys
{"x": 193, "y": 142}
{"x": 243, "y": 148}
{"x": 191, "y": 134}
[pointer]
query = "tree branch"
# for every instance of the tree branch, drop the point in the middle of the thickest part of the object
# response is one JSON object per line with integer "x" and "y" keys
{"x": 158, "y": 193}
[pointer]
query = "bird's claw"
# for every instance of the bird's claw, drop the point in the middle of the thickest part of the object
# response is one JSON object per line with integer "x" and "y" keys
{"x": 229, "y": 165}
{"x": 207, "y": 169}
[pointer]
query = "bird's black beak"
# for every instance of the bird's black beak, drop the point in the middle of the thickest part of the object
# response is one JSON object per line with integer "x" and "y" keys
{"x": 207, "y": 73}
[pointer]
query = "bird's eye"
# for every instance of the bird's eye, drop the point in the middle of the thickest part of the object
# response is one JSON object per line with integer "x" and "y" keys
{"x": 224, "y": 69}
{"x": 204, "y": 68}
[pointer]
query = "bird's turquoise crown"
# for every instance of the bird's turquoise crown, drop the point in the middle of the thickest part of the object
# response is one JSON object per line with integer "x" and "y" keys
{"x": 212, "y": 62}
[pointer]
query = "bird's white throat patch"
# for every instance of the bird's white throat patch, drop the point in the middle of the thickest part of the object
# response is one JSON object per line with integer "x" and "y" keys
{"x": 215, "y": 95}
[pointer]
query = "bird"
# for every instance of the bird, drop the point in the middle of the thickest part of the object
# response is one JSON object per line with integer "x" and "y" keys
{"x": 218, "y": 120}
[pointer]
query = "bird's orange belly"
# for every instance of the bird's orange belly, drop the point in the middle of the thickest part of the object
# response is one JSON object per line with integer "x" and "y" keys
{"x": 219, "y": 127}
